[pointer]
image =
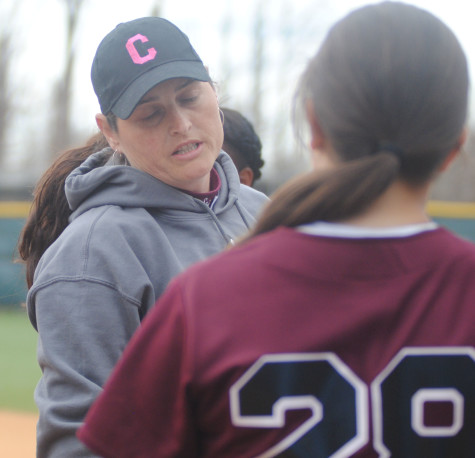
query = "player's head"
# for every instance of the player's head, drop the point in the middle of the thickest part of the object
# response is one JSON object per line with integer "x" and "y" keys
{"x": 389, "y": 80}
{"x": 386, "y": 100}
{"x": 243, "y": 144}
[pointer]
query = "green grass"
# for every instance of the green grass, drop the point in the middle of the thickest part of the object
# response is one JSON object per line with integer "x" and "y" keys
{"x": 19, "y": 371}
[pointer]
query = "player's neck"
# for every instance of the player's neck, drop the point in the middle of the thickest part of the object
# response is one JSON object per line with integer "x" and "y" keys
{"x": 400, "y": 205}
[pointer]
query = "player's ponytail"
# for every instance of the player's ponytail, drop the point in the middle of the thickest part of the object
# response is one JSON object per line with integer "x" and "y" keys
{"x": 332, "y": 196}
{"x": 389, "y": 89}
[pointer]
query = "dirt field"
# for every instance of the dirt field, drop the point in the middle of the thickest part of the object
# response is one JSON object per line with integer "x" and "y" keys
{"x": 17, "y": 434}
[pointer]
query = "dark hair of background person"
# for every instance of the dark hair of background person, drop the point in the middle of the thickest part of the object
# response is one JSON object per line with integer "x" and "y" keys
{"x": 243, "y": 144}
{"x": 404, "y": 93}
{"x": 50, "y": 211}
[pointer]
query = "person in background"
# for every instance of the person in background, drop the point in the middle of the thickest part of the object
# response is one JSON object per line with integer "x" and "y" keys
{"x": 343, "y": 324}
{"x": 49, "y": 211}
{"x": 243, "y": 144}
{"x": 160, "y": 197}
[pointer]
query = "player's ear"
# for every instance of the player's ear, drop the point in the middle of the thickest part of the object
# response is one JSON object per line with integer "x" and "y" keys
{"x": 323, "y": 157}
{"x": 455, "y": 151}
{"x": 246, "y": 176}
{"x": 317, "y": 139}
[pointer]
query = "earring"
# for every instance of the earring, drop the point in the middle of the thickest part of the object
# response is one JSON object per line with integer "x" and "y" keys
{"x": 119, "y": 158}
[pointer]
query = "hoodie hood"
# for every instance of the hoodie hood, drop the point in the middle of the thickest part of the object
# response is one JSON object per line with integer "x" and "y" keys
{"x": 94, "y": 184}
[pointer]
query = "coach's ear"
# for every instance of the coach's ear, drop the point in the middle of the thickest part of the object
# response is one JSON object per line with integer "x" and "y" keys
{"x": 108, "y": 131}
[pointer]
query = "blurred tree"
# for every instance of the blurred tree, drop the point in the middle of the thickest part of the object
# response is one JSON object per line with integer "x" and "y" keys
{"x": 225, "y": 59}
{"x": 5, "y": 96}
{"x": 62, "y": 94}
{"x": 257, "y": 59}
{"x": 7, "y": 107}
{"x": 157, "y": 8}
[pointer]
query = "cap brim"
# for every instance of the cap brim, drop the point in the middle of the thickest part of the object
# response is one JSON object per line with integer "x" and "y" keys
{"x": 130, "y": 98}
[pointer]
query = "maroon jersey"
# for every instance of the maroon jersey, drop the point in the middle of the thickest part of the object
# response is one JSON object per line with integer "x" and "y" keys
{"x": 298, "y": 345}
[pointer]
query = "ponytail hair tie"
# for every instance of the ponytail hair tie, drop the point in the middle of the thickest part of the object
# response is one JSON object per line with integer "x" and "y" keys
{"x": 393, "y": 149}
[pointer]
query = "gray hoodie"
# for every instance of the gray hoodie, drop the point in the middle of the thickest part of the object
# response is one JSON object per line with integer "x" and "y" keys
{"x": 129, "y": 234}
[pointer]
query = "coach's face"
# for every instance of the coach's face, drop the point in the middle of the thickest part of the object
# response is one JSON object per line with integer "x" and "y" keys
{"x": 174, "y": 134}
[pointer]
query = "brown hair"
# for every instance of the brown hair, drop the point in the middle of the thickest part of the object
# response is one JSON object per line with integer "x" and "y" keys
{"x": 50, "y": 211}
{"x": 389, "y": 87}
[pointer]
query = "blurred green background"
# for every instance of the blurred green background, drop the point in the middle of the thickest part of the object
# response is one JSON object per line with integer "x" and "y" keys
{"x": 18, "y": 367}
{"x": 19, "y": 371}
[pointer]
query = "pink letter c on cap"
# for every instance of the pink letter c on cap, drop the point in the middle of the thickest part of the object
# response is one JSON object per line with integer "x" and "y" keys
{"x": 134, "y": 54}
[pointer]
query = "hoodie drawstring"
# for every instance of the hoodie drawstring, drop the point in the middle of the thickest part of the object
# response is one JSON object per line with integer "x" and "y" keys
{"x": 239, "y": 209}
{"x": 226, "y": 237}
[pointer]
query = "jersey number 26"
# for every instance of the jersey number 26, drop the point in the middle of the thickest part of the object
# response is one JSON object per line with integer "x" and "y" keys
{"x": 404, "y": 396}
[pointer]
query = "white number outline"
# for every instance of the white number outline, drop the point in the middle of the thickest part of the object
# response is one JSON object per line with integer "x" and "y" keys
{"x": 277, "y": 419}
{"x": 376, "y": 394}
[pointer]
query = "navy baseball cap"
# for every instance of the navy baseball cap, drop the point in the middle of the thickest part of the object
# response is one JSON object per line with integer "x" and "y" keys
{"x": 136, "y": 56}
